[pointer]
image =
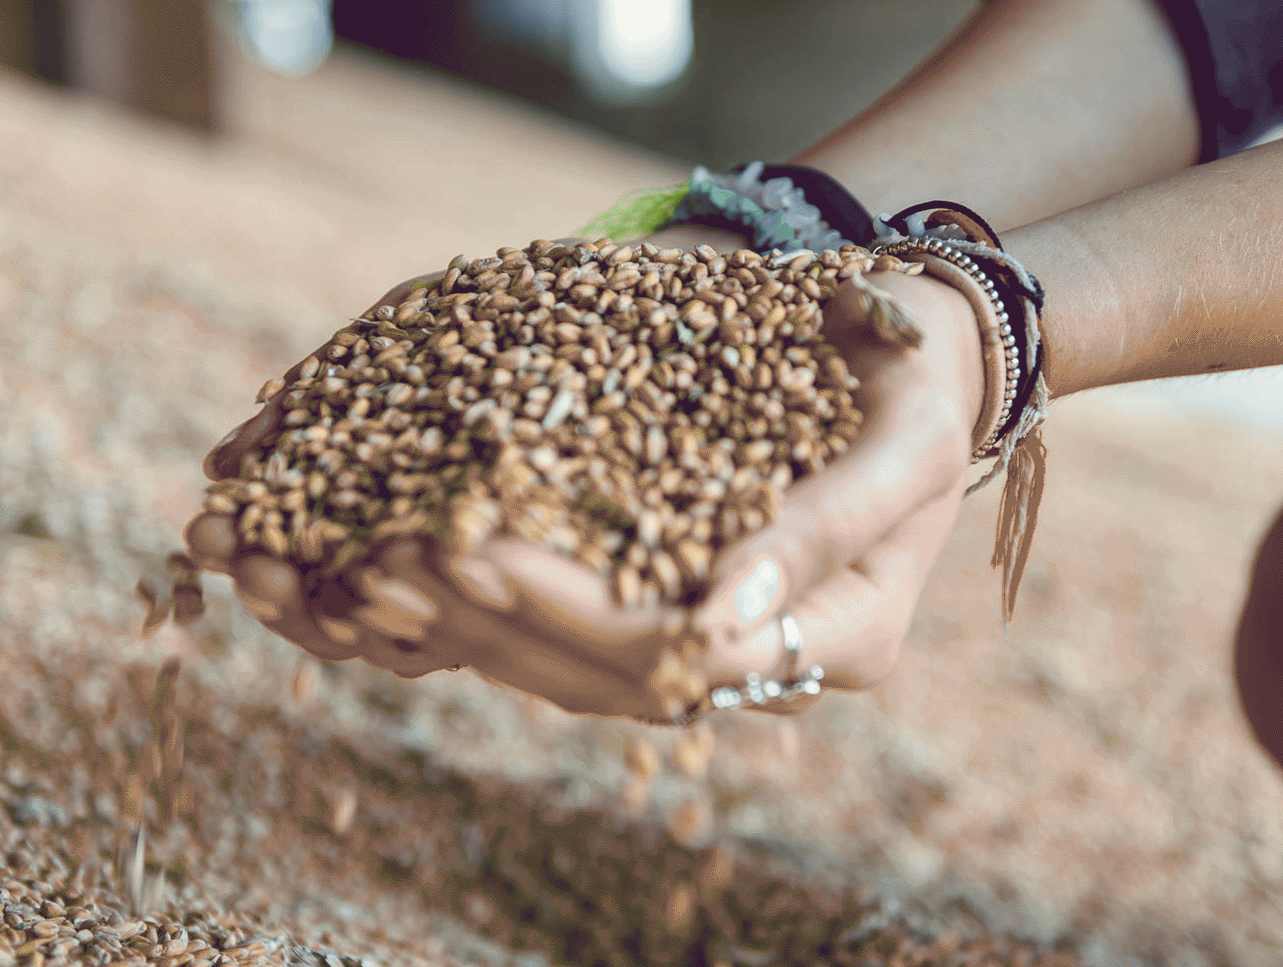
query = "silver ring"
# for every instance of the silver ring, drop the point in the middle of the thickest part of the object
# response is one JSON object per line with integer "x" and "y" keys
{"x": 759, "y": 691}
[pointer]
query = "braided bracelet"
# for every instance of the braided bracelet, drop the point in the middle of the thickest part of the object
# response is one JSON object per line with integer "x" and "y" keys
{"x": 778, "y": 212}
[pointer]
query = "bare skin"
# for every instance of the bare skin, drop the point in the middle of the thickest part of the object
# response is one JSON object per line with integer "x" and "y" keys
{"x": 1019, "y": 117}
{"x": 1168, "y": 279}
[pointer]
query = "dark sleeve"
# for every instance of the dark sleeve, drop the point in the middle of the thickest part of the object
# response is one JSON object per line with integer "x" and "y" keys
{"x": 1234, "y": 49}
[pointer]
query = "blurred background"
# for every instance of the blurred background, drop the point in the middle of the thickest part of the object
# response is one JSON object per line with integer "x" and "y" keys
{"x": 707, "y": 80}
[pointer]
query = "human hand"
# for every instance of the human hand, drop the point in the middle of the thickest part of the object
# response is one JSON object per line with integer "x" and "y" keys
{"x": 852, "y": 546}
{"x": 545, "y": 624}
{"x": 269, "y": 586}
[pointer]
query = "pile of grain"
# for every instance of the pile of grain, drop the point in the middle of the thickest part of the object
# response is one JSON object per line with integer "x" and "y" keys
{"x": 634, "y": 408}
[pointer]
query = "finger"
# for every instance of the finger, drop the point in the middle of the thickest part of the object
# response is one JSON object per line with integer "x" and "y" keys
{"x": 913, "y": 446}
{"x": 401, "y": 609}
{"x": 846, "y": 630}
{"x": 829, "y": 519}
{"x": 854, "y": 624}
{"x": 559, "y": 598}
{"x": 505, "y": 647}
{"x": 224, "y": 460}
{"x": 560, "y": 678}
{"x": 333, "y": 603}
{"x": 272, "y": 590}
{"x": 401, "y": 656}
{"x": 212, "y": 542}
{"x": 399, "y": 293}
{"x": 460, "y": 619}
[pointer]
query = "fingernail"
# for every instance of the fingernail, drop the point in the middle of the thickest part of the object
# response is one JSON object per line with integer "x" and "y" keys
{"x": 393, "y": 623}
{"x": 399, "y": 597}
{"x": 345, "y": 633}
{"x": 757, "y": 591}
{"x": 216, "y": 466}
{"x": 481, "y": 581}
{"x": 229, "y": 438}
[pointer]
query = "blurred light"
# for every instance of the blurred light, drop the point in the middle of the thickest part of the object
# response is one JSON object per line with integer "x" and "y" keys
{"x": 624, "y": 51}
{"x": 292, "y": 37}
{"x": 645, "y": 43}
{"x": 541, "y": 24}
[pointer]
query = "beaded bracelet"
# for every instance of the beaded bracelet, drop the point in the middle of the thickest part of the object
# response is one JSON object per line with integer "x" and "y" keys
{"x": 802, "y": 208}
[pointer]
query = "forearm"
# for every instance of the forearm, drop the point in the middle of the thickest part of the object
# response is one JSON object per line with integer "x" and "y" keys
{"x": 1032, "y": 108}
{"x": 1180, "y": 277}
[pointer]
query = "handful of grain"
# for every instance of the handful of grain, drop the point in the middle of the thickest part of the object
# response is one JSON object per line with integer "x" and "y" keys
{"x": 635, "y": 408}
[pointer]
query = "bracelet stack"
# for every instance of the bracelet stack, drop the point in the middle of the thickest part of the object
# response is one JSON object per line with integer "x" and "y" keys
{"x": 953, "y": 241}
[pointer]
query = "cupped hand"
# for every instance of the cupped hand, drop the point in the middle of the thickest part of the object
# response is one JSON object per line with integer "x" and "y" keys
{"x": 852, "y": 548}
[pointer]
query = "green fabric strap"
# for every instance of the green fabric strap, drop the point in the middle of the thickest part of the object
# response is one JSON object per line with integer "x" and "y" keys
{"x": 637, "y": 215}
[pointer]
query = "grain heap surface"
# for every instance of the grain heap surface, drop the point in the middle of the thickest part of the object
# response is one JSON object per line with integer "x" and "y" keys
{"x": 637, "y": 409}
{"x": 49, "y": 925}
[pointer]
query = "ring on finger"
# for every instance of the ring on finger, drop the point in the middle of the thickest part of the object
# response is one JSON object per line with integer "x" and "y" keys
{"x": 794, "y": 684}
